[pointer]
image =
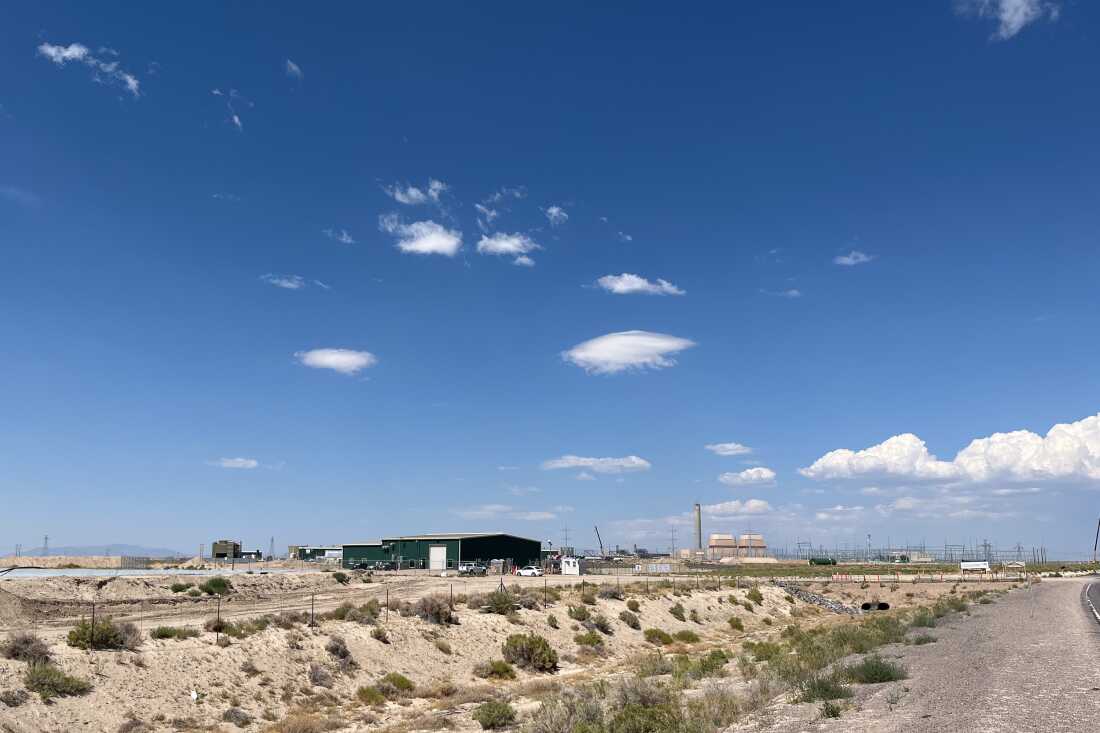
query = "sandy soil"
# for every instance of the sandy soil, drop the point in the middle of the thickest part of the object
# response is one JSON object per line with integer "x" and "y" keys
{"x": 155, "y": 683}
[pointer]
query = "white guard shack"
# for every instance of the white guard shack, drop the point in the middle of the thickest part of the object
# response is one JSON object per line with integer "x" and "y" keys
{"x": 974, "y": 566}
{"x": 573, "y": 566}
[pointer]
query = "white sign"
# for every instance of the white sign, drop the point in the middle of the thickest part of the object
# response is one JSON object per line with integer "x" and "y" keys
{"x": 974, "y": 566}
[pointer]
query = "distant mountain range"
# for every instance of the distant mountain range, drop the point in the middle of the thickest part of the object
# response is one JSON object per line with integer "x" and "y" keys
{"x": 108, "y": 550}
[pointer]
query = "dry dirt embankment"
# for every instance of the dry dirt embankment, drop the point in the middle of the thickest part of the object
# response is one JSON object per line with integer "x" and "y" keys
{"x": 1026, "y": 662}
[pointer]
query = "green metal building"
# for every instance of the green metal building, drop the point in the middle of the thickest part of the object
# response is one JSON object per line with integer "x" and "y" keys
{"x": 444, "y": 551}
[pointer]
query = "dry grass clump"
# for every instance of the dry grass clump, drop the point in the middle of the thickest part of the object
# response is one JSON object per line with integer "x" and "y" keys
{"x": 687, "y": 636}
{"x": 633, "y": 606}
{"x": 610, "y": 592}
{"x": 237, "y": 717}
{"x": 179, "y": 633}
{"x": 736, "y": 624}
{"x": 436, "y": 609}
{"x": 14, "y": 698}
{"x": 319, "y": 676}
{"x": 25, "y": 647}
{"x": 658, "y": 636}
{"x": 677, "y": 611}
{"x": 499, "y": 602}
{"x": 379, "y": 633}
{"x": 578, "y": 613}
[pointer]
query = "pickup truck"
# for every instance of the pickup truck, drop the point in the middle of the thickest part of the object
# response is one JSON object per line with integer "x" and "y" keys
{"x": 471, "y": 568}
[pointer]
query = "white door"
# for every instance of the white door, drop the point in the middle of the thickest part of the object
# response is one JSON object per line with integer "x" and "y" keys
{"x": 437, "y": 558}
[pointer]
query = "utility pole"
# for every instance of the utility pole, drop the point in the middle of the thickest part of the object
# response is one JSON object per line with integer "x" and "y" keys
{"x": 1096, "y": 541}
{"x": 46, "y": 545}
{"x": 672, "y": 544}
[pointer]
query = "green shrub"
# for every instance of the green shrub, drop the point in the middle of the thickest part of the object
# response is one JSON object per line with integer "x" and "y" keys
{"x": 589, "y": 639}
{"x": 639, "y": 718}
{"x": 237, "y": 717}
{"x": 923, "y": 618}
{"x": 25, "y": 647}
{"x": 105, "y": 634}
{"x": 180, "y": 587}
{"x": 830, "y": 709}
{"x": 173, "y": 632}
{"x": 747, "y": 605}
{"x": 755, "y": 596}
{"x": 399, "y": 682}
{"x": 630, "y": 620}
{"x": 633, "y": 605}
{"x": 552, "y": 621}
{"x": 379, "y": 633}
{"x": 494, "y": 714}
{"x": 763, "y": 651}
{"x": 530, "y": 651}
{"x": 736, "y": 624}
{"x": 921, "y": 639}
{"x": 578, "y": 613}
{"x": 873, "y": 670}
{"x": 50, "y": 682}
{"x": 216, "y": 586}
{"x": 370, "y": 695}
{"x": 823, "y": 687}
{"x": 695, "y": 617}
{"x": 14, "y": 698}
{"x": 496, "y": 669}
{"x": 341, "y": 578}
{"x": 652, "y": 665}
{"x": 194, "y": 592}
{"x": 499, "y": 602}
{"x": 589, "y": 598}
{"x": 610, "y": 592}
{"x": 687, "y": 636}
{"x": 658, "y": 636}
{"x": 677, "y": 612}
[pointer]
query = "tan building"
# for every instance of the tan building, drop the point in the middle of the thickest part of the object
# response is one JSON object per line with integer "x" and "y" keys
{"x": 747, "y": 545}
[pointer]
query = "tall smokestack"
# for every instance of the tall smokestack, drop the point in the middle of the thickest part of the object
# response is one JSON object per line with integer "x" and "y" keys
{"x": 698, "y": 528}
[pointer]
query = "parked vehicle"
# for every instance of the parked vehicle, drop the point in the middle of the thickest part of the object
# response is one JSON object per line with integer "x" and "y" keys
{"x": 384, "y": 565}
{"x": 530, "y": 571}
{"x": 471, "y": 568}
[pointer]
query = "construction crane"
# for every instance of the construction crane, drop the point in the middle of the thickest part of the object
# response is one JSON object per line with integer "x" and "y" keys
{"x": 599, "y": 539}
{"x": 1096, "y": 541}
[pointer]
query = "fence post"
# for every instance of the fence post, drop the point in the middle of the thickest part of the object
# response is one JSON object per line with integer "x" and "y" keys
{"x": 218, "y": 623}
{"x": 312, "y": 609}
{"x": 91, "y": 634}
{"x": 387, "y": 604}
{"x": 452, "y": 591}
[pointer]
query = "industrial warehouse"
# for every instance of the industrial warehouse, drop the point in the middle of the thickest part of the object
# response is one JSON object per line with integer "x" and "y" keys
{"x": 434, "y": 552}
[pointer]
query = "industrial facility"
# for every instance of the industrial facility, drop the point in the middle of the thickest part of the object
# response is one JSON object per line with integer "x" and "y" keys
{"x": 444, "y": 551}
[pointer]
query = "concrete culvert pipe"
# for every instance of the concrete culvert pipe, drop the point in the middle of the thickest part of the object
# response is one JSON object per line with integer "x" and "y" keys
{"x": 865, "y": 606}
{"x": 883, "y": 606}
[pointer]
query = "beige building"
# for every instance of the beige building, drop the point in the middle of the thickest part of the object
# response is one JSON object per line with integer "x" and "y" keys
{"x": 747, "y": 545}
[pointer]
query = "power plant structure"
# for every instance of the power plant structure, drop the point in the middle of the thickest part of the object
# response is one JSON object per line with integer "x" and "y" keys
{"x": 698, "y": 528}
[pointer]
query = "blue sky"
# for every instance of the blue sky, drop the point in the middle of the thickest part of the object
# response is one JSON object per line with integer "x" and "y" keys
{"x": 249, "y": 292}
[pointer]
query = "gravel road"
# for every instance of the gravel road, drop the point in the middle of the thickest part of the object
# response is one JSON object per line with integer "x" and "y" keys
{"x": 1029, "y": 662}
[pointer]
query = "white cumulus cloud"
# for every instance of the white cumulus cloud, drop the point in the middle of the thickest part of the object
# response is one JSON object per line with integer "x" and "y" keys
{"x": 853, "y": 258}
{"x": 728, "y": 449}
{"x": 628, "y": 284}
{"x": 1069, "y": 451}
{"x": 345, "y": 361}
{"x": 737, "y": 508}
{"x": 412, "y": 195}
{"x": 511, "y": 245}
{"x": 422, "y": 237}
{"x": 598, "y": 465}
{"x": 617, "y": 352}
{"x": 1012, "y": 16}
{"x": 749, "y": 477}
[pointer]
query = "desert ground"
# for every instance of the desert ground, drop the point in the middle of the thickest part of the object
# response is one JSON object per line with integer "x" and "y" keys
{"x": 269, "y": 669}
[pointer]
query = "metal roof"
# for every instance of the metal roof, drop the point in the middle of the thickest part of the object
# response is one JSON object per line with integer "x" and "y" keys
{"x": 441, "y": 536}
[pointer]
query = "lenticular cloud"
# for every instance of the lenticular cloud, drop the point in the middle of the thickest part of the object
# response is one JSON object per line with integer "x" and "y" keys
{"x": 617, "y": 352}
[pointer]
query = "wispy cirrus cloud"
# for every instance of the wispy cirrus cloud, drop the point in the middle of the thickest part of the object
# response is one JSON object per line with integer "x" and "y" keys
{"x": 234, "y": 102}
{"x": 625, "y": 464}
{"x": 1012, "y": 16}
{"x": 286, "y": 282}
{"x": 20, "y": 196}
{"x": 728, "y": 449}
{"x": 344, "y": 361}
{"x": 103, "y": 71}
{"x": 788, "y": 293}
{"x": 294, "y": 71}
{"x": 240, "y": 463}
{"x": 629, "y": 284}
{"x": 339, "y": 235}
{"x": 627, "y": 350}
{"x": 422, "y": 237}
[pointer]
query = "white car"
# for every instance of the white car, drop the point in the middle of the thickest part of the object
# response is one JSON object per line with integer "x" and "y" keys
{"x": 530, "y": 571}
